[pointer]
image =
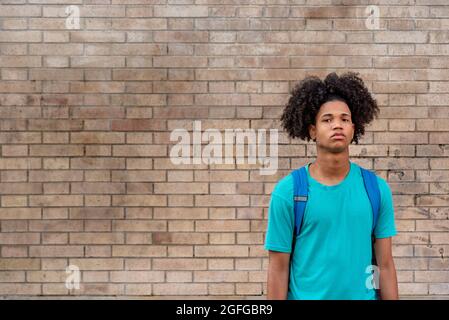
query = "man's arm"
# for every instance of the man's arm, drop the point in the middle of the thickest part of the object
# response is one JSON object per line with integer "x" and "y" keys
{"x": 278, "y": 274}
{"x": 388, "y": 281}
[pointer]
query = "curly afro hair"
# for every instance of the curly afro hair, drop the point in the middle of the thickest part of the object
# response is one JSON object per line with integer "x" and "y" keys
{"x": 311, "y": 93}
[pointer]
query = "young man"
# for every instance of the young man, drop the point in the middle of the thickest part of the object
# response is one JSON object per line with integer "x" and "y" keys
{"x": 332, "y": 254}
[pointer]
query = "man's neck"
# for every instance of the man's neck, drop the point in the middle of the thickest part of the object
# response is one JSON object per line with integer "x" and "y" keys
{"x": 331, "y": 166}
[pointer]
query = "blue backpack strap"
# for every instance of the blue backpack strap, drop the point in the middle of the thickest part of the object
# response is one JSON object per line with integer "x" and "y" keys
{"x": 372, "y": 188}
{"x": 373, "y": 191}
{"x": 300, "y": 193}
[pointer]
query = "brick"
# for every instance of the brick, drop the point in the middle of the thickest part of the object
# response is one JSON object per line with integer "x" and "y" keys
{"x": 101, "y": 289}
{"x": 97, "y": 238}
{"x": 220, "y": 276}
{"x": 93, "y": 36}
{"x": 98, "y": 251}
{"x": 179, "y": 289}
{"x": 97, "y": 187}
{"x": 14, "y": 251}
{"x": 20, "y": 289}
{"x": 97, "y": 163}
{"x": 19, "y": 238}
{"x": 221, "y": 200}
{"x": 56, "y": 251}
{"x": 21, "y": 36}
{"x": 139, "y": 225}
{"x": 181, "y": 11}
{"x": 20, "y": 188}
{"x": 55, "y": 238}
{"x": 137, "y": 276}
{"x": 179, "y": 238}
{"x": 20, "y": 213}
{"x": 221, "y": 289}
{"x": 221, "y": 226}
{"x": 179, "y": 276}
{"x": 138, "y": 251}
{"x": 138, "y": 264}
{"x": 137, "y": 125}
{"x": 95, "y": 276}
{"x": 222, "y": 238}
{"x": 181, "y": 213}
{"x": 138, "y": 289}
{"x": 46, "y": 276}
{"x": 56, "y": 200}
{"x": 221, "y": 251}
{"x": 138, "y": 175}
{"x": 180, "y": 188}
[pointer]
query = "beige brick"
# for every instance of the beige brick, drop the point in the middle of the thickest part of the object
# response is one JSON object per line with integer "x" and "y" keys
{"x": 179, "y": 276}
{"x": 56, "y": 251}
{"x": 20, "y": 213}
{"x": 139, "y": 225}
{"x": 95, "y": 276}
{"x": 138, "y": 264}
{"x": 180, "y": 213}
{"x": 138, "y": 289}
{"x": 138, "y": 200}
{"x": 224, "y": 225}
{"x": 220, "y": 276}
{"x": 46, "y": 276}
{"x": 180, "y": 225}
{"x": 138, "y": 238}
{"x": 98, "y": 251}
{"x": 180, "y": 251}
{"x": 20, "y": 289}
{"x": 137, "y": 276}
{"x": 97, "y": 238}
{"x": 56, "y": 188}
{"x": 107, "y": 289}
{"x": 14, "y": 201}
{"x": 179, "y": 289}
{"x": 222, "y": 238}
{"x": 54, "y": 289}
{"x": 14, "y": 251}
{"x": 139, "y": 251}
{"x": 248, "y": 289}
{"x": 179, "y": 238}
{"x": 19, "y": 238}
{"x": 56, "y": 225}
{"x": 221, "y": 251}
{"x": 221, "y": 289}
{"x": 19, "y": 264}
{"x": 55, "y": 238}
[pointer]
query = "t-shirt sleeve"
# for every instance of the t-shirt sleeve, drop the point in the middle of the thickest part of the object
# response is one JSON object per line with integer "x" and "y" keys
{"x": 385, "y": 225}
{"x": 280, "y": 226}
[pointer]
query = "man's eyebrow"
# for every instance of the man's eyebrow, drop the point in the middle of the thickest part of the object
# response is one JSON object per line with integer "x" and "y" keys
{"x": 330, "y": 114}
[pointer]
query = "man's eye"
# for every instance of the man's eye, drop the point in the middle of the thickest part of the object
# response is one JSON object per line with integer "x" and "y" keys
{"x": 326, "y": 120}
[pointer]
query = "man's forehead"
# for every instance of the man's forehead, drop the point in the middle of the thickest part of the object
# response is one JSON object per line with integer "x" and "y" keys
{"x": 335, "y": 114}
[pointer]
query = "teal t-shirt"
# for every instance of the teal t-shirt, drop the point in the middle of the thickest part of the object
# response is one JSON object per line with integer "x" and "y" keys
{"x": 333, "y": 250}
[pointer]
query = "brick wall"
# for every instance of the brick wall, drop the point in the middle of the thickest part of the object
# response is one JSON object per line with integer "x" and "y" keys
{"x": 86, "y": 116}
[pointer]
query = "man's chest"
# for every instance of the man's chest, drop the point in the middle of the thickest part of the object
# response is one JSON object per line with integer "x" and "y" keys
{"x": 338, "y": 209}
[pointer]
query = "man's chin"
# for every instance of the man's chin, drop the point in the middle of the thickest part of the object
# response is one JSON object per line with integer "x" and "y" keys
{"x": 337, "y": 148}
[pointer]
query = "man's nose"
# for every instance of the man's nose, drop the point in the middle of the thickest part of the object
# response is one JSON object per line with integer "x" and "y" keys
{"x": 337, "y": 124}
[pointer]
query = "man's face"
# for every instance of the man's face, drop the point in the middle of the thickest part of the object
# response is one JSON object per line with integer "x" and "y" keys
{"x": 333, "y": 129}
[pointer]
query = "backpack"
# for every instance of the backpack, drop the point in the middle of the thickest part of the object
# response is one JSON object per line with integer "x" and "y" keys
{"x": 300, "y": 193}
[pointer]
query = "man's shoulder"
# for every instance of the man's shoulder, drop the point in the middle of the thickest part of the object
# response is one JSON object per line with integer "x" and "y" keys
{"x": 383, "y": 184}
{"x": 284, "y": 187}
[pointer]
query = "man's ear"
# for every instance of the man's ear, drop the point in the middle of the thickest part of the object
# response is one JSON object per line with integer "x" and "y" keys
{"x": 312, "y": 132}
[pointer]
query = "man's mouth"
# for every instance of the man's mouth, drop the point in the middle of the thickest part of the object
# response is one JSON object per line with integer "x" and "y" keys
{"x": 338, "y": 136}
